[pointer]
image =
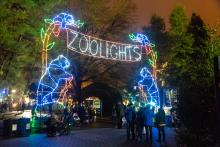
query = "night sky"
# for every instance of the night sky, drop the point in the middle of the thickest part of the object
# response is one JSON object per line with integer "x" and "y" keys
{"x": 209, "y": 10}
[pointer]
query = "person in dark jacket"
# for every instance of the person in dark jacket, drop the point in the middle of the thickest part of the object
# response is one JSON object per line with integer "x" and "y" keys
{"x": 91, "y": 114}
{"x": 139, "y": 123}
{"x": 130, "y": 118}
{"x": 114, "y": 115}
{"x": 148, "y": 121}
{"x": 23, "y": 106}
{"x": 120, "y": 114}
{"x": 160, "y": 124}
{"x": 66, "y": 116}
{"x": 81, "y": 113}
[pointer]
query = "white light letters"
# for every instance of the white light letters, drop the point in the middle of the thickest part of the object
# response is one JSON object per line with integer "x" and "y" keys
{"x": 86, "y": 44}
{"x": 92, "y": 46}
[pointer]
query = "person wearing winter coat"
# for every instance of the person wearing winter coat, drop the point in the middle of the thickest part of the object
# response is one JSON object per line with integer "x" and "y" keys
{"x": 120, "y": 114}
{"x": 160, "y": 124}
{"x": 148, "y": 121}
{"x": 114, "y": 116}
{"x": 139, "y": 123}
{"x": 81, "y": 112}
{"x": 130, "y": 118}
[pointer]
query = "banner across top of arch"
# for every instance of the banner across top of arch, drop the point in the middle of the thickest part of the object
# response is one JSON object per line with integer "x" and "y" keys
{"x": 92, "y": 46}
{"x": 89, "y": 45}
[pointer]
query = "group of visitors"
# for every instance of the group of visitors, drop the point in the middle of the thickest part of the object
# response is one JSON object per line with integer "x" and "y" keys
{"x": 4, "y": 107}
{"x": 140, "y": 122}
{"x": 86, "y": 114}
{"x": 8, "y": 106}
{"x": 118, "y": 112}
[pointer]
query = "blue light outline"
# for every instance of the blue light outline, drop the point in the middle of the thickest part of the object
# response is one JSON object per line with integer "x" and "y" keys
{"x": 47, "y": 73}
{"x": 153, "y": 94}
{"x": 141, "y": 38}
{"x": 66, "y": 20}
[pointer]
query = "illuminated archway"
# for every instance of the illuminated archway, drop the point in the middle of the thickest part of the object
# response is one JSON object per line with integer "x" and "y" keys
{"x": 90, "y": 46}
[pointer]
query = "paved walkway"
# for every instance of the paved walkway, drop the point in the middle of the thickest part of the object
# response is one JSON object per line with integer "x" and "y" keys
{"x": 91, "y": 137}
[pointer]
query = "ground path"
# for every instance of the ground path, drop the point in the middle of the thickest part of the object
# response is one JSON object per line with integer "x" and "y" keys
{"x": 98, "y": 136}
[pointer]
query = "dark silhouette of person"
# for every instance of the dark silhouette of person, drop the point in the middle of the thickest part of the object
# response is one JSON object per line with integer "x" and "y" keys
{"x": 130, "y": 118}
{"x": 160, "y": 124}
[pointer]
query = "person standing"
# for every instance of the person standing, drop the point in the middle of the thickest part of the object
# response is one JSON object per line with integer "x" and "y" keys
{"x": 120, "y": 114}
{"x": 81, "y": 113}
{"x": 23, "y": 106}
{"x": 114, "y": 115}
{"x": 130, "y": 118}
{"x": 160, "y": 124}
{"x": 91, "y": 114}
{"x": 65, "y": 113}
{"x": 139, "y": 123}
{"x": 74, "y": 108}
{"x": 148, "y": 122}
{"x": 94, "y": 114}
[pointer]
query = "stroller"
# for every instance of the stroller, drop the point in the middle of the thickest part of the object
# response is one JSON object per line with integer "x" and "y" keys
{"x": 54, "y": 127}
{"x": 76, "y": 120}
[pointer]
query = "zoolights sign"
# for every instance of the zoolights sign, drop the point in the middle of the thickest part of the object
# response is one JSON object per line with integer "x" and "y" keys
{"x": 85, "y": 44}
{"x": 99, "y": 48}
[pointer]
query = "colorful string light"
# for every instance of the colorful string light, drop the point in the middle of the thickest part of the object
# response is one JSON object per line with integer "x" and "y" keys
{"x": 64, "y": 20}
{"x": 145, "y": 42}
{"x": 149, "y": 85}
{"x": 63, "y": 93}
{"x": 61, "y": 21}
{"x": 99, "y": 48}
{"x": 90, "y": 46}
{"x": 55, "y": 75}
{"x": 84, "y": 44}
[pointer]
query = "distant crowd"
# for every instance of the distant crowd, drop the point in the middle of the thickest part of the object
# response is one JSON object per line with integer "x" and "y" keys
{"x": 140, "y": 121}
{"x": 86, "y": 114}
{"x": 7, "y": 106}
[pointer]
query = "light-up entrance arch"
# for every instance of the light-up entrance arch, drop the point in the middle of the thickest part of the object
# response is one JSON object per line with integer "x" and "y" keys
{"x": 86, "y": 45}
